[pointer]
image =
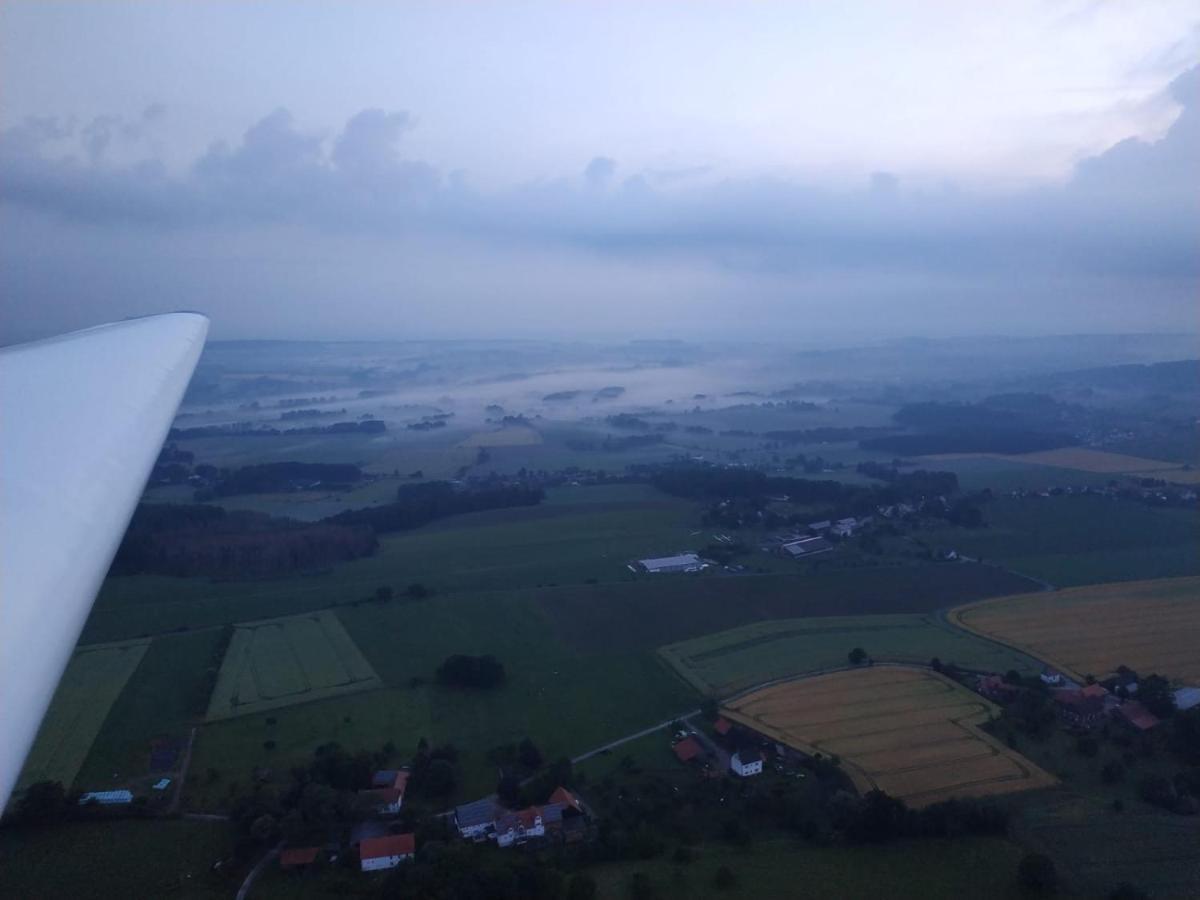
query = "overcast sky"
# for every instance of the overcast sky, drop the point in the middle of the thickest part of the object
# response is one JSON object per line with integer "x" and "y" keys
{"x": 665, "y": 169}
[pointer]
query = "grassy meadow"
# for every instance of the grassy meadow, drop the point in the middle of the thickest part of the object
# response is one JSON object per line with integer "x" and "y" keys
{"x": 279, "y": 662}
{"x": 1082, "y": 539}
{"x": 116, "y": 860}
{"x": 90, "y": 685}
{"x": 981, "y": 868}
{"x": 728, "y": 661}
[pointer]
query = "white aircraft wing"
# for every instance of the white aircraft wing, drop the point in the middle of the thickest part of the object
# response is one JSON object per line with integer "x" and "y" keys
{"x": 82, "y": 419}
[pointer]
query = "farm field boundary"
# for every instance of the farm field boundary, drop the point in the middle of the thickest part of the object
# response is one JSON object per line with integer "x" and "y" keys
{"x": 294, "y": 659}
{"x": 93, "y": 680}
{"x": 906, "y": 731}
{"x": 730, "y": 661}
{"x": 1082, "y": 459}
{"x": 1150, "y": 626}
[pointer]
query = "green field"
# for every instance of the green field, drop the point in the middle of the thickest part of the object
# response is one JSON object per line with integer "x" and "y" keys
{"x": 165, "y": 696}
{"x": 566, "y": 701}
{"x": 91, "y": 683}
{"x": 729, "y": 661}
{"x": 577, "y": 534}
{"x": 1072, "y": 540}
{"x": 980, "y": 868}
{"x": 999, "y": 474}
{"x": 657, "y": 610}
{"x": 1097, "y": 848}
{"x": 280, "y": 662}
{"x": 116, "y": 860}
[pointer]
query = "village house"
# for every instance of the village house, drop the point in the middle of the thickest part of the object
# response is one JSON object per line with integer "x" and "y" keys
{"x": 1136, "y": 716}
{"x": 820, "y": 527}
{"x": 1186, "y": 698}
{"x": 574, "y": 816}
{"x": 844, "y": 527}
{"x": 476, "y": 821}
{"x": 688, "y": 749}
{"x": 996, "y": 688}
{"x": 378, "y": 853}
{"x": 1082, "y": 708}
{"x": 1051, "y": 677}
{"x": 746, "y": 762}
{"x": 519, "y": 827}
{"x": 386, "y": 794}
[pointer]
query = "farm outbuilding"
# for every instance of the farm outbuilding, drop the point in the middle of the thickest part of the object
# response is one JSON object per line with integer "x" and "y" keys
{"x": 688, "y": 749}
{"x": 806, "y": 547}
{"x": 106, "y": 798}
{"x": 746, "y": 762}
{"x": 378, "y": 853}
{"x": 682, "y": 562}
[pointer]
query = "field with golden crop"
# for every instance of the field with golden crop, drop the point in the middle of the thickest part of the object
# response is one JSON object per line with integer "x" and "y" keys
{"x": 1150, "y": 626}
{"x": 1083, "y": 459}
{"x": 910, "y": 732}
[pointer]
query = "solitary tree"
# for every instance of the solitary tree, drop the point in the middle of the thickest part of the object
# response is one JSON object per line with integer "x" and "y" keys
{"x": 858, "y": 656}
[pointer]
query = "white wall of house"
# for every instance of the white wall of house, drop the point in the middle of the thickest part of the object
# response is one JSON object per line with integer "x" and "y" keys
{"x": 376, "y": 863}
{"x": 753, "y": 768}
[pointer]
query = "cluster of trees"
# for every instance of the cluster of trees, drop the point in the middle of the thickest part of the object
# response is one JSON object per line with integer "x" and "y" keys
{"x": 878, "y": 817}
{"x": 269, "y": 478}
{"x": 433, "y": 774}
{"x": 712, "y": 482}
{"x": 251, "y": 429}
{"x": 446, "y": 870}
{"x": 186, "y": 540}
{"x": 989, "y": 427}
{"x": 627, "y": 420}
{"x": 826, "y": 435}
{"x": 419, "y": 504}
{"x": 461, "y": 670}
{"x": 611, "y": 444}
{"x": 314, "y": 799}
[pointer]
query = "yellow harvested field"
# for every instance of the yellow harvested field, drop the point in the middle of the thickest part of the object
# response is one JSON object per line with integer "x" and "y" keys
{"x": 1150, "y": 626}
{"x": 1088, "y": 460}
{"x": 1085, "y": 459}
{"x": 515, "y": 436}
{"x": 910, "y": 732}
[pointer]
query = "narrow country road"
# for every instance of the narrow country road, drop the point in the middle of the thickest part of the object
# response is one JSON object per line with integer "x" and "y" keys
{"x": 633, "y": 737}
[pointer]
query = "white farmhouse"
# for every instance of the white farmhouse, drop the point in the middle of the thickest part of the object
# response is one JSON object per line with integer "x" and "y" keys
{"x": 746, "y": 762}
{"x": 379, "y": 853}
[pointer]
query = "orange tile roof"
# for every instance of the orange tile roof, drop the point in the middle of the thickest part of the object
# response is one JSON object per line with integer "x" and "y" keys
{"x": 1137, "y": 715}
{"x": 562, "y": 795}
{"x": 392, "y": 845}
{"x": 299, "y": 856}
{"x": 1094, "y": 690}
{"x": 688, "y": 749}
{"x": 722, "y": 725}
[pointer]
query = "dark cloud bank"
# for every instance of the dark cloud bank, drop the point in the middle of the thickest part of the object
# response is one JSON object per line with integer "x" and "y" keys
{"x": 1127, "y": 219}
